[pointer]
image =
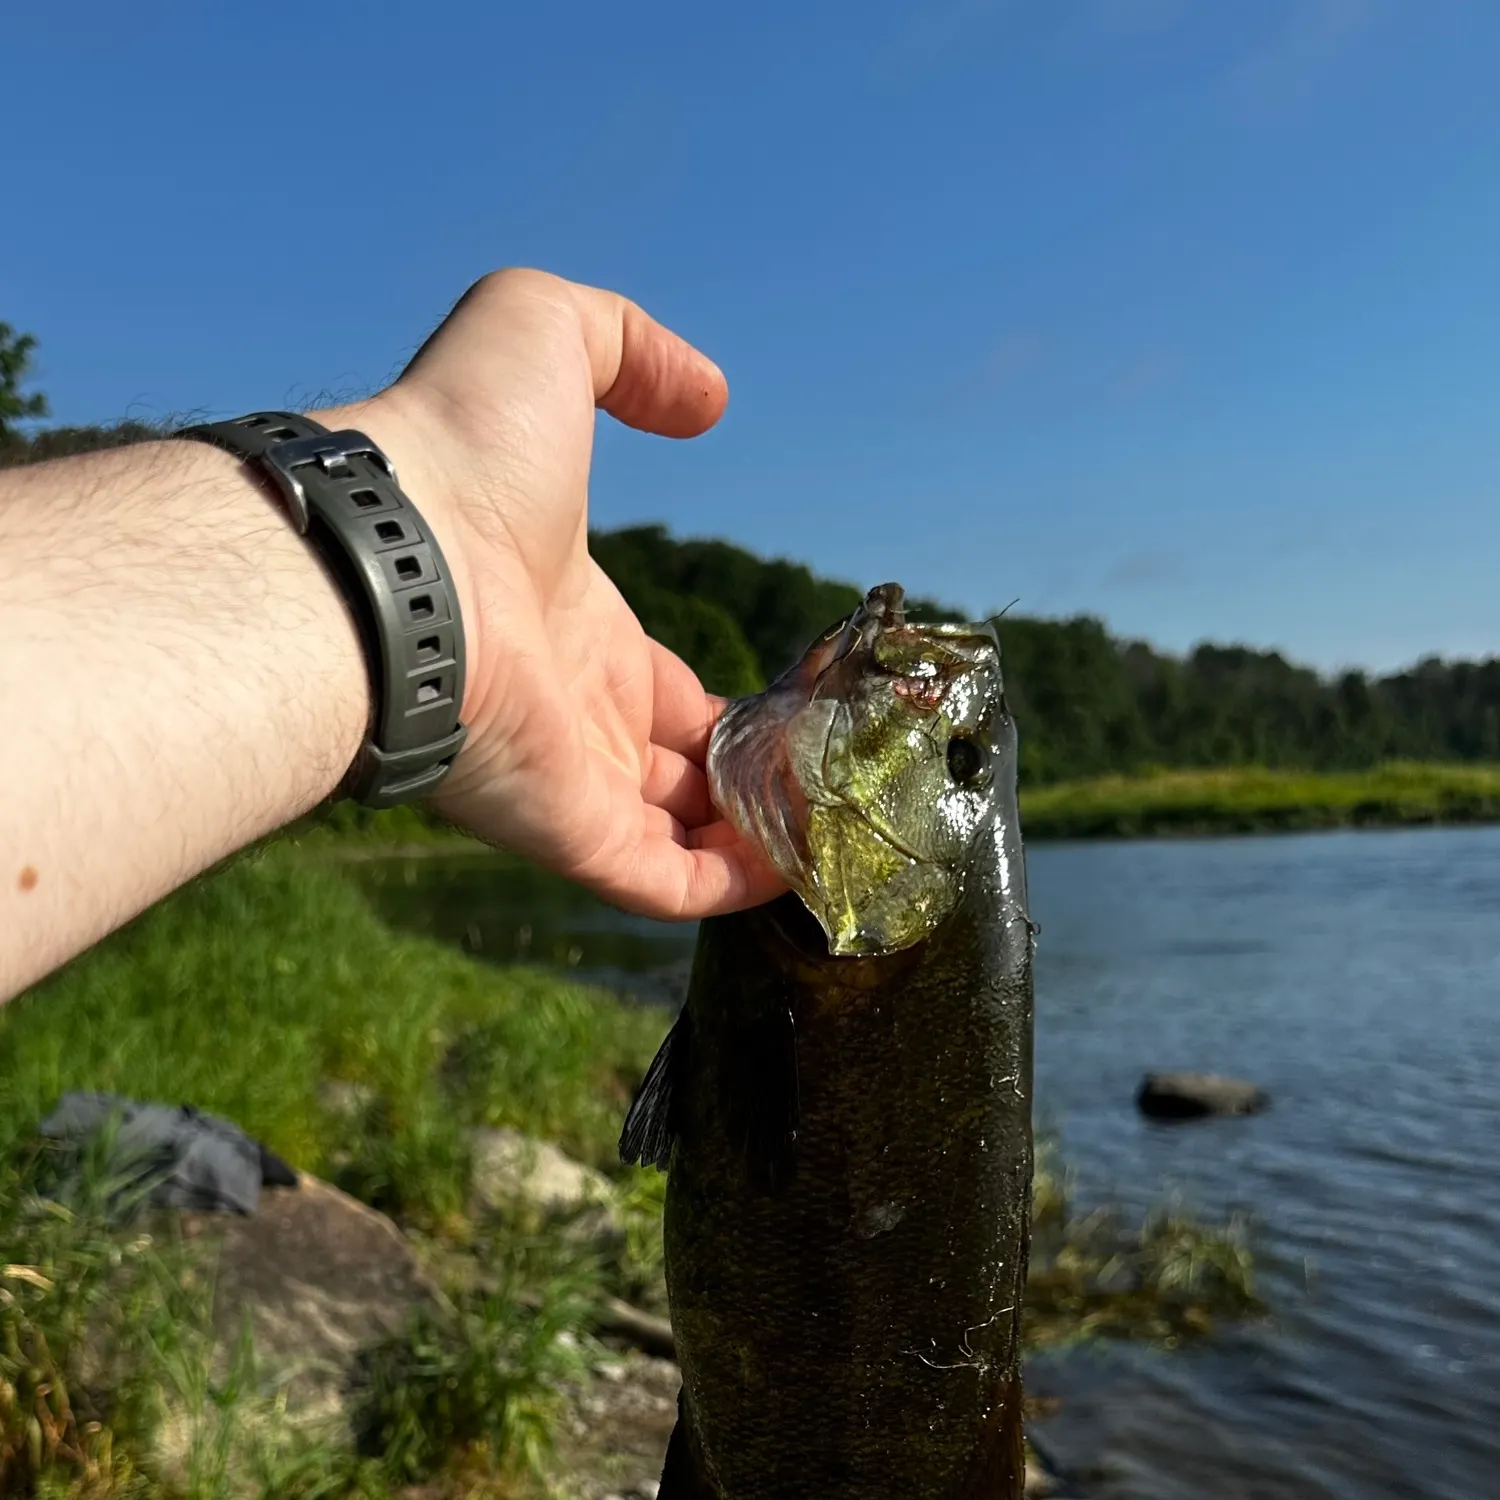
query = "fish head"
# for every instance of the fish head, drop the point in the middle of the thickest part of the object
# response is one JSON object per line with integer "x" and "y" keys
{"x": 868, "y": 772}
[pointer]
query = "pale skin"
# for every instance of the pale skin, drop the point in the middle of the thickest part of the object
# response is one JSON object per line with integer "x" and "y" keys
{"x": 180, "y": 677}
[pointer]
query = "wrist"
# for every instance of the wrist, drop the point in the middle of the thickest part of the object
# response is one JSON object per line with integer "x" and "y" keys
{"x": 429, "y": 486}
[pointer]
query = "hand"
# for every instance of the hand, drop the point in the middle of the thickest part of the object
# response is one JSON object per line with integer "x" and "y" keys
{"x": 586, "y": 739}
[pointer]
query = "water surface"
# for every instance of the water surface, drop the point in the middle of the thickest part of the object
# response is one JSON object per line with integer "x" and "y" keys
{"x": 1354, "y": 975}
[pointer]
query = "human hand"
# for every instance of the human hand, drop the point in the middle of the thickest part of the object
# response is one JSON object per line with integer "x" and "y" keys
{"x": 586, "y": 739}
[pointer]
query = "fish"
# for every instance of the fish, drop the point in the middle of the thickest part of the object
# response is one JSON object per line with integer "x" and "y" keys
{"x": 843, "y": 1105}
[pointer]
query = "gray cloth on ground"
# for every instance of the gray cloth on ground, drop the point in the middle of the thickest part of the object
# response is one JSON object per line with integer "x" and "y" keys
{"x": 172, "y": 1156}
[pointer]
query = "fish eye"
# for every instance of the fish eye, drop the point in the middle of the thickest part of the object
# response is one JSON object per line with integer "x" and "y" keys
{"x": 965, "y": 759}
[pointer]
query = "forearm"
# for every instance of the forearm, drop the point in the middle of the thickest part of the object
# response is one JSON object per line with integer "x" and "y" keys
{"x": 178, "y": 677}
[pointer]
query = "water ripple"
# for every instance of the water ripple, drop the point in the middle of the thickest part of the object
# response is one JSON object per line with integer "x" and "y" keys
{"x": 1356, "y": 976}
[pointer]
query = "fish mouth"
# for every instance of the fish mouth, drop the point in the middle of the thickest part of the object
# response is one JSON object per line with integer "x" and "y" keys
{"x": 883, "y": 609}
{"x": 760, "y": 741}
{"x": 768, "y": 759}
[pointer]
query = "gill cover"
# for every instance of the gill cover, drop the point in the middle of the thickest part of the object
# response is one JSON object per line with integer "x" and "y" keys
{"x": 866, "y": 772}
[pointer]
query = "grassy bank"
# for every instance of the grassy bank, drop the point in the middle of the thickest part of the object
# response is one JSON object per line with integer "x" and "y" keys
{"x": 247, "y": 994}
{"x": 248, "y": 990}
{"x": 1243, "y": 799}
{"x": 1252, "y": 799}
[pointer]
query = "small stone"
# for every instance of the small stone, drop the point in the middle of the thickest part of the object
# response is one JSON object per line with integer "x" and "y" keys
{"x": 1039, "y": 1483}
{"x": 344, "y": 1098}
{"x": 647, "y": 1489}
{"x": 1042, "y": 1479}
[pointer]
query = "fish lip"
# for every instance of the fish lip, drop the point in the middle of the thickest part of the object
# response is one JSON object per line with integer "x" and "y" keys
{"x": 805, "y": 943}
{"x": 882, "y": 609}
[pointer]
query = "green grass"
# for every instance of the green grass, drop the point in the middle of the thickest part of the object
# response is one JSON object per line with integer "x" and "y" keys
{"x": 482, "y": 1374}
{"x": 245, "y": 991}
{"x": 348, "y": 828}
{"x": 1167, "y": 1280}
{"x": 1251, "y": 799}
{"x": 245, "y": 994}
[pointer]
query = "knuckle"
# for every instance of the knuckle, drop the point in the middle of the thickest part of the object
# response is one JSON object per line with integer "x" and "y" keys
{"x": 514, "y": 282}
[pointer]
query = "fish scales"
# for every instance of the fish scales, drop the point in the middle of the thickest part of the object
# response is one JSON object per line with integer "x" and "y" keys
{"x": 848, "y": 1203}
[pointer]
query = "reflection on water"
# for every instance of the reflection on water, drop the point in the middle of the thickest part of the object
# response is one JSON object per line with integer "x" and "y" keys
{"x": 505, "y": 911}
{"x": 1357, "y": 977}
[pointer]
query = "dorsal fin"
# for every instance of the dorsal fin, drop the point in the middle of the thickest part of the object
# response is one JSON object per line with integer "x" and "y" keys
{"x": 651, "y": 1125}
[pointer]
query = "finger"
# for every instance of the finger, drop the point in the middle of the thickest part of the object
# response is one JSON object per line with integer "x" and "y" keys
{"x": 658, "y": 823}
{"x": 644, "y": 375}
{"x": 729, "y": 879}
{"x": 675, "y": 884}
{"x": 682, "y": 714}
{"x": 674, "y": 784}
{"x": 718, "y": 834}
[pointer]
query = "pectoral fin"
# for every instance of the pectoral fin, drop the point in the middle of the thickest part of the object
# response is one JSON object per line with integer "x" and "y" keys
{"x": 651, "y": 1125}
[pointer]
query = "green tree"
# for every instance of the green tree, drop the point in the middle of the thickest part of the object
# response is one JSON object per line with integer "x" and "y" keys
{"x": 15, "y": 363}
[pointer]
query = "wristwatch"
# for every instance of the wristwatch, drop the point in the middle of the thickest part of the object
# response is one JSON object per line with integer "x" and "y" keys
{"x": 341, "y": 493}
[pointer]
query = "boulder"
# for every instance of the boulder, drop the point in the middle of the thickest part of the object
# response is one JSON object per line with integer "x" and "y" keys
{"x": 319, "y": 1277}
{"x": 515, "y": 1171}
{"x": 1192, "y": 1096}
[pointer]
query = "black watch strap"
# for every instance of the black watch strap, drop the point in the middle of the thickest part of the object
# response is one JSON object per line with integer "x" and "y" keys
{"x": 342, "y": 494}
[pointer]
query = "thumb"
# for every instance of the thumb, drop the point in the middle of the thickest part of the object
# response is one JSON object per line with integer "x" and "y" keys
{"x": 644, "y": 374}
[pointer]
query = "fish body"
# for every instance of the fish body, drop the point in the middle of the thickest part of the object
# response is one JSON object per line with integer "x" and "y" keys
{"x": 848, "y": 1134}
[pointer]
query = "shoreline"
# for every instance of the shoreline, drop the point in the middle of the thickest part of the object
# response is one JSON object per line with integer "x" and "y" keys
{"x": 1236, "y": 802}
{"x": 1256, "y": 800}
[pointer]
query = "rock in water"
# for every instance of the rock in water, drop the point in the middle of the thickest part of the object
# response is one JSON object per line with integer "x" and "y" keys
{"x": 1192, "y": 1096}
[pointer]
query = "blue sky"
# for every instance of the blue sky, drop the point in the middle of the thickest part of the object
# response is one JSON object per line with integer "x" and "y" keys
{"x": 1180, "y": 312}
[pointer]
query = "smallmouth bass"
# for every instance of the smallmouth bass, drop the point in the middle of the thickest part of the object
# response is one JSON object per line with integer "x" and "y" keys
{"x": 844, "y": 1105}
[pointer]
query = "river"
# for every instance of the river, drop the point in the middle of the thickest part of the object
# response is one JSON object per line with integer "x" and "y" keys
{"x": 1356, "y": 976}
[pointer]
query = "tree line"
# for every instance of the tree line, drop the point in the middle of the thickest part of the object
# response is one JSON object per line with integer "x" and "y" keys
{"x": 1087, "y": 703}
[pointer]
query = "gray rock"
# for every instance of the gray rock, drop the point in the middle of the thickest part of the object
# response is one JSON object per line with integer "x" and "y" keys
{"x": 1192, "y": 1096}
{"x": 515, "y": 1171}
{"x": 341, "y": 1097}
{"x": 1039, "y": 1483}
{"x": 319, "y": 1277}
{"x": 1043, "y": 1477}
